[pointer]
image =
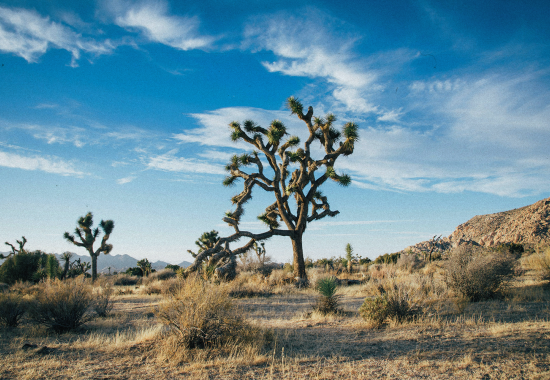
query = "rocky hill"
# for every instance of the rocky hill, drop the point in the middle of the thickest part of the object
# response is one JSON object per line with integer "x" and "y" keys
{"x": 527, "y": 225}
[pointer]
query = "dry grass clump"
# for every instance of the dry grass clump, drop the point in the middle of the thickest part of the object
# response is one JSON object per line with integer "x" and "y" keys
{"x": 12, "y": 308}
{"x": 200, "y": 316}
{"x": 62, "y": 305}
{"x": 478, "y": 275}
{"x": 540, "y": 262}
{"x": 161, "y": 275}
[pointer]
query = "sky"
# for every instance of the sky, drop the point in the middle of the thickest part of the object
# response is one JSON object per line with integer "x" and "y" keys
{"x": 122, "y": 108}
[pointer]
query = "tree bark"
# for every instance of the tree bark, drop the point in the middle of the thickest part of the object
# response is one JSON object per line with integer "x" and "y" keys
{"x": 298, "y": 255}
{"x": 94, "y": 266}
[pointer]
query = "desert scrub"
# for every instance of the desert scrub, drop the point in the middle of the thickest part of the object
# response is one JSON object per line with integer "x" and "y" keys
{"x": 328, "y": 299}
{"x": 392, "y": 303}
{"x": 478, "y": 274}
{"x": 62, "y": 305}
{"x": 201, "y": 315}
{"x": 12, "y": 308}
{"x": 540, "y": 262}
{"x": 103, "y": 304}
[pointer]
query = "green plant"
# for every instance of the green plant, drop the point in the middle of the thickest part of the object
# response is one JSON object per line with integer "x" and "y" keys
{"x": 145, "y": 267}
{"x": 328, "y": 299}
{"x": 62, "y": 305}
{"x": 87, "y": 238}
{"x": 21, "y": 265}
{"x": 477, "y": 274}
{"x": 12, "y": 308}
{"x": 375, "y": 310}
{"x": 349, "y": 257}
{"x": 286, "y": 184}
{"x": 201, "y": 315}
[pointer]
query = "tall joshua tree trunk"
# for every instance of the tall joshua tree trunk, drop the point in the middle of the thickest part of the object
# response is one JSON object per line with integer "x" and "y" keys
{"x": 298, "y": 256}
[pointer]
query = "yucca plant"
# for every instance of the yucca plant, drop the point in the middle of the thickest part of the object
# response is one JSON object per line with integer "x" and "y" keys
{"x": 328, "y": 300}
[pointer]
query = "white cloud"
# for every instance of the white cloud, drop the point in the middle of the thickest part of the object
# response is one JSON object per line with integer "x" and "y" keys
{"x": 46, "y": 164}
{"x": 29, "y": 35}
{"x": 152, "y": 18}
{"x": 169, "y": 162}
{"x": 125, "y": 180}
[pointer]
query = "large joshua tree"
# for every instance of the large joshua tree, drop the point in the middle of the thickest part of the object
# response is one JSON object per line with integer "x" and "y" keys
{"x": 87, "y": 238}
{"x": 293, "y": 174}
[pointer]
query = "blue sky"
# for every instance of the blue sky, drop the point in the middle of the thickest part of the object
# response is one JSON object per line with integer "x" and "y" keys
{"x": 122, "y": 108}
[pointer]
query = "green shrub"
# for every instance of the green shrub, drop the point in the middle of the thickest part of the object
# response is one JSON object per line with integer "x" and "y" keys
{"x": 22, "y": 266}
{"x": 62, "y": 305}
{"x": 201, "y": 315}
{"x": 12, "y": 308}
{"x": 478, "y": 274}
{"x": 328, "y": 300}
{"x": 387, "y": 258}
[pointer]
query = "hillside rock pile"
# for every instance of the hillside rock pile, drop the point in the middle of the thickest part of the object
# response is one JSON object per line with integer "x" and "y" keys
{"x": 528, "y": 226}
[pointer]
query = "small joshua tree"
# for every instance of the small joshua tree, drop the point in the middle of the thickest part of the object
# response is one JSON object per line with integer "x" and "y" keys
{"x": 349, "y": 256}
{"x": 283, "y": 181}
{"x": 260, "y": 252}
{"x": 66, "y": 257}
{"x": 145, "y": 267}
{"x": 88, "y": 237}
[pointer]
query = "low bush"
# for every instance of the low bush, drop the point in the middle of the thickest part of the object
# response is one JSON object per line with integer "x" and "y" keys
{"x": 202, "y": 315}
{"x": 103, "y": 304}
{"x": 409, "y": 262}
{"x": 62, "y": 305}
{"x": 478, "y": 274}
{"x": 12, "y": 308}
{"x": 393, "y": 303}
{"x": 126, "y": 280}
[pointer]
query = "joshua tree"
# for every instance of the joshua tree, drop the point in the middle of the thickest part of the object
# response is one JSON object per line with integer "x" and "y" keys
{"x": 15, "y": 251}
{"x": 145, "y": 267}
{"x": 260, "y": 252}
{"x": 349, "y": 256}
{"x": 301, "y": 183}
{"x": 88, "y": 236}
{"x": 66, "y": 257}
{"x": 206, "y": 241}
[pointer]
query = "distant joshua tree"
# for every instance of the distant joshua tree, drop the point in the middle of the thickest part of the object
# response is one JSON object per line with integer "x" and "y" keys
{"x": 284, "y": 182}
{"x": 87, "y": 238}
{"x": 145, "y": 267}
{"x": 206, "y": 241}
{"x": 15, "y": 251}
{"x": 349, "y": 256}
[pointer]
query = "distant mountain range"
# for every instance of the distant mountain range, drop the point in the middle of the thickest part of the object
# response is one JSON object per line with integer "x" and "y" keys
{"x": 117, "y": 263}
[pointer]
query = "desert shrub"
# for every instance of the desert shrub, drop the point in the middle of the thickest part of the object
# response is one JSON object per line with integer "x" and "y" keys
{"x": 409, "y": 262}
{"x": 62, "y": 305}
{"x": 477, "y": 274}
{"x": 103, "y": 304}
{"x": 391, "y": 303}
{"x": 134, "y": 271}
{"x": 162, "y": 275}
{"x": 280, "y": 277}
{"x": 12, "y": 308}
{"x": 202, "y": 315}
{"x": 126, "y": 280}
{"x": 387, "y": 258}
{"x": 540, "y": 262}
{"x": 328, "y": 299}
{"x": 22, "y": 266}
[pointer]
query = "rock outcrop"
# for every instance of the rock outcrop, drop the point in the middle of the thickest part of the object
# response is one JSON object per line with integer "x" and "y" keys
{"x": 528, "y": 226}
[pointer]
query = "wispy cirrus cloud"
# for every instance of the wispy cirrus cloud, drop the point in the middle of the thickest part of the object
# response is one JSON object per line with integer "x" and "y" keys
{"x": 29, "y": 35}
{"x": 172, "y": 163}
{"x": 46, "y": 164}
{"x": 125, "y": 180}
{"x": 153, "y": 20}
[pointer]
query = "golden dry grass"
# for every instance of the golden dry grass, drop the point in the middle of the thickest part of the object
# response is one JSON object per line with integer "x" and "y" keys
{"x": 498, "y": 339}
